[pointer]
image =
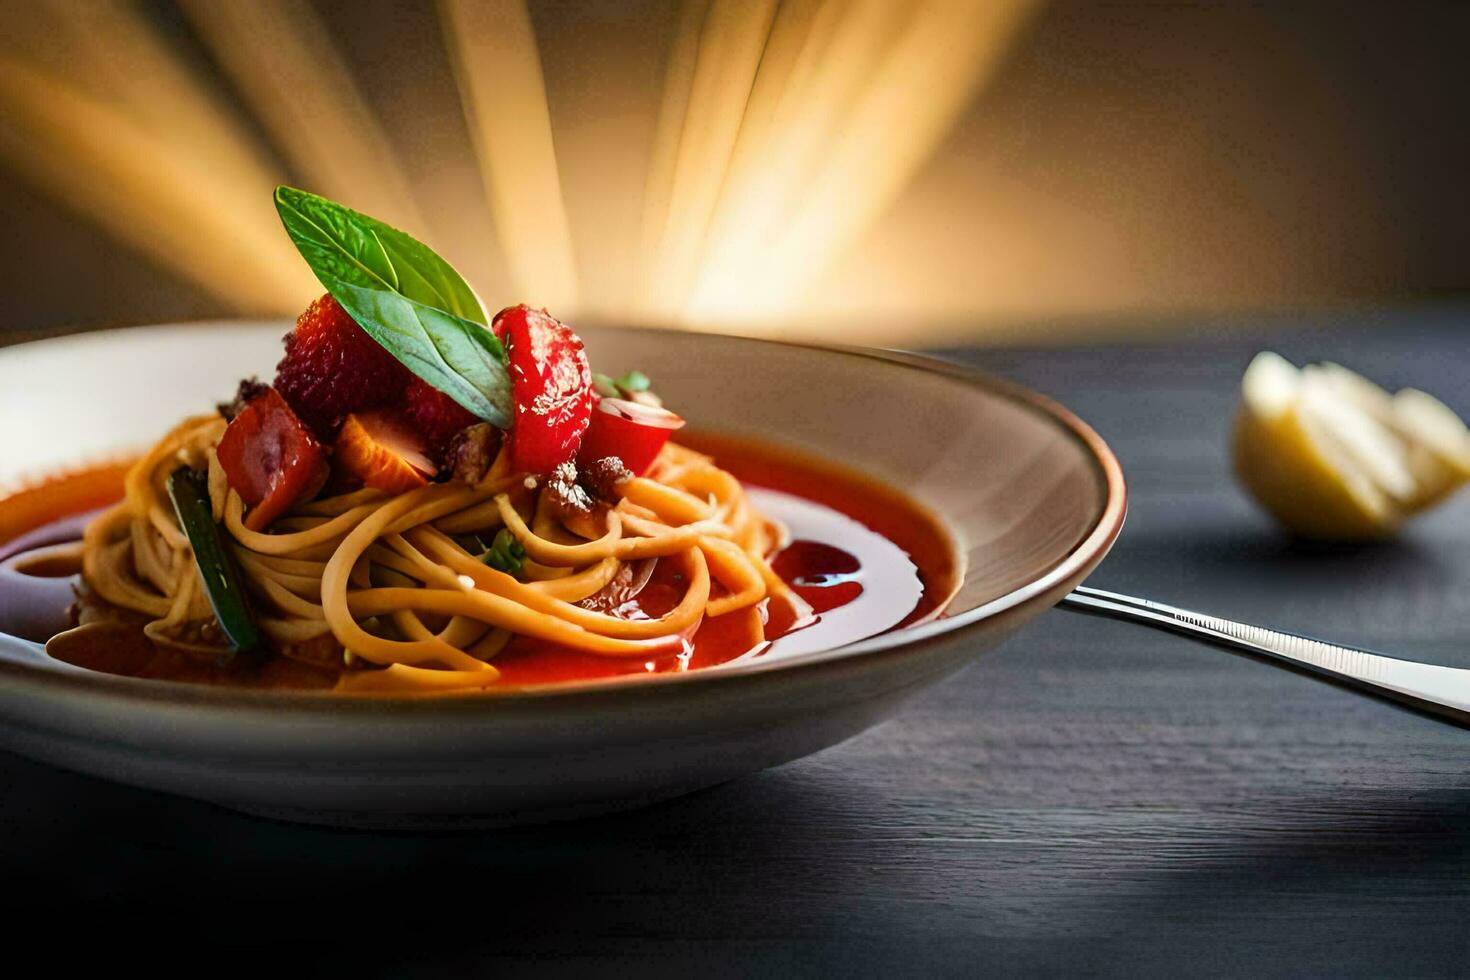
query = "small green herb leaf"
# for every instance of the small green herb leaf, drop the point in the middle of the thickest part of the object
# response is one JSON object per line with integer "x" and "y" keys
{"x": 605, "y": 386}
{"x": 506, "y": 554}
{"x": 633, "y": 382}
{"x": 406, "y": 297}
{"x": 189, "y": 491}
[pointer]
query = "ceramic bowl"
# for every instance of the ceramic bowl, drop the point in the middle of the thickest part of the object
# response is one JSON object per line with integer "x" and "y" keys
{"x": 1033, "y": 497}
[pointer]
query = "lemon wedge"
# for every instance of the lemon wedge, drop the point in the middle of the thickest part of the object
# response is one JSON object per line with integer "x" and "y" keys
{"x": 1333, "y": 456}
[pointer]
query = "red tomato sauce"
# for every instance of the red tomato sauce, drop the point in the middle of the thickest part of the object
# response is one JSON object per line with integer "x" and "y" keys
{"x": 834, "y": 516}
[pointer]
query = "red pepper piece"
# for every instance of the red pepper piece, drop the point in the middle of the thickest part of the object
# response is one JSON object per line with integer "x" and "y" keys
{"x": 271, "y": 459}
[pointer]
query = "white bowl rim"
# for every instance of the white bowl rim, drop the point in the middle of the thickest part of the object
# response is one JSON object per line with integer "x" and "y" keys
{"x": 1084, "y": 554}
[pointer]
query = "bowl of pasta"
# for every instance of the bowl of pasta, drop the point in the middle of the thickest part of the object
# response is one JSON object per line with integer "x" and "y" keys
{"x": 423, "y": 566}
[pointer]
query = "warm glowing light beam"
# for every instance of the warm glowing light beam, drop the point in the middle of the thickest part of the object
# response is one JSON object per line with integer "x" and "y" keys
{"x": 732, "y": 39}
{"x": 797, "y": 109}
{"x": 782, "y": 131}
{"x": 145, "y": 192}
{"x": 668, "y": 130}
{"x": 874, "y": 140}
{"x": 498, "y": 68}
{"x": 281, "y": 57}
{"x": 105, "y": 116}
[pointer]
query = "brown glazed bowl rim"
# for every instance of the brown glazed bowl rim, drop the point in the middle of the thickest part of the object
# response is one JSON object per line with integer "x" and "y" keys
{"x": 1044, "y": 589}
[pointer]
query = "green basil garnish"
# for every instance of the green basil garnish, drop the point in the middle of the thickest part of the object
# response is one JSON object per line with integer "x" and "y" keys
{"x": 189, "y": 491}
{"x": 505, "y": 554}
{"x": 406, "y": 297}
{"x": 605, "y": 386}
{"x": 633, "y": 382}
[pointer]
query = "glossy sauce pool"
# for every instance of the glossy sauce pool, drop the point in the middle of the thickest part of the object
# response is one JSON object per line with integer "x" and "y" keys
{"x": 865, "y": 557}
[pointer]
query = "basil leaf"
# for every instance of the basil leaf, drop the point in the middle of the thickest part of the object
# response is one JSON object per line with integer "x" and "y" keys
{"x": 506, "y": 554}
{"x": 605, "y": 386}
{"x": 406, "y": 297}
{"x": 459, "y": 357}
{"x": 633, "y": 382}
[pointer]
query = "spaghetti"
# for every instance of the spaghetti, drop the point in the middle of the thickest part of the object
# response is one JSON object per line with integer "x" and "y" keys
{"x": 392, "y": 587}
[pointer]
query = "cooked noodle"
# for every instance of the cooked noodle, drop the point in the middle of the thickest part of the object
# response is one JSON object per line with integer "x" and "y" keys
{"x": 385, "y": 578}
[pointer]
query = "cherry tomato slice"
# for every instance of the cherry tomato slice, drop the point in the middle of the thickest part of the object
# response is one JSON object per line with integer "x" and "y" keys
{"x": 630, "y": 431}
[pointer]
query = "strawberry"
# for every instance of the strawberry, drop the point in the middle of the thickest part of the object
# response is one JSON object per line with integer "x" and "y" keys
{"x": 333, "y": 367}
{"x": 552, "y": 385}
{"x": 382, "y": 451}
{"x": 435, "y": 415}
{"x": 269, "y": 458}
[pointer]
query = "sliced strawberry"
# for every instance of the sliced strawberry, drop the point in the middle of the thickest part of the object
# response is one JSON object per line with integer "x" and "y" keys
{"x": 270, "y": 458}
{"x": 435, "y": 415}
{"x": 629, "y": 430}
{"x": 552, "y": 385}
{"x": 332, "y": 367}
{"x": 383, "y": 452}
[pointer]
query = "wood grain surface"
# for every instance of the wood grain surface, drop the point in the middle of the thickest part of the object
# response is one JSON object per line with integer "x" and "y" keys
{"x": 1091, "y": 799}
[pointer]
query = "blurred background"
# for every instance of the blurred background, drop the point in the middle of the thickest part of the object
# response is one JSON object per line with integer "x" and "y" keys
{"x": 902, "y": 173}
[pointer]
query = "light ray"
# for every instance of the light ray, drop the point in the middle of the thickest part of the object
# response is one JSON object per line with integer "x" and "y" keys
{"x": 104, "y": 115}
{"x": 731, "y": 41}
{"x": 498, "y": 68}
{"x": 929, "y": 74}
{"x": 110, "y": 52}
{"x": 803, "y": 109}
{"x": 281, "y": 57}
{"x": 148, "y": 193}
{"x": 668, "y": 130}
{"x": 782, "y": 131}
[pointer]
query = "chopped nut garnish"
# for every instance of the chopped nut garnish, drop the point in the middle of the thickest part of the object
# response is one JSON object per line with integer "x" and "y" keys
{"x": 566, "y": 492}
{"x": 604, "y": 478}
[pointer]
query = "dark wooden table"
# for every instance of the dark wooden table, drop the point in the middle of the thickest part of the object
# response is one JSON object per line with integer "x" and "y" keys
{"x": 1093, "y": 798}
